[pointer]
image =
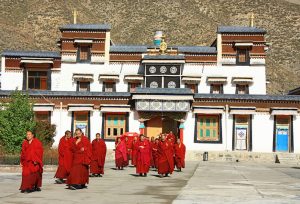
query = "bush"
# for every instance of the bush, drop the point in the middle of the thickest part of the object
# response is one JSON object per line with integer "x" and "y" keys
{"x": 45, "y": 132}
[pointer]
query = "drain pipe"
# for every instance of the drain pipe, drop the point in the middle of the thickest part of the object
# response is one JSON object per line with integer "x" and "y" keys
{"x": 226, "y": 123}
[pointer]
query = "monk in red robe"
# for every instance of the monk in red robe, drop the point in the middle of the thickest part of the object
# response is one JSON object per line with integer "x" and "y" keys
{"x": 98, "y": 157}
{"x": 31, "y": 161}
{"x": 134, "y": 151}
{"x": 179, "y": 155}
{"x": 165, "y": 164}
{"x": 120, "y": 154}
{"x": 171, "y": 137}
{"x": 143, "y": 157}
{"x": 65, "y": 158}
{"x": 82, "y": 155}
{"x": 154, "y": 152}
{"x": 129, "y": 149}
{"x": 152, "y": 143}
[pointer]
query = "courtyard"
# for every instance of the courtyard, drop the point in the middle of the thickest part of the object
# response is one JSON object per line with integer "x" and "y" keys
{"x": 200, "y": 182}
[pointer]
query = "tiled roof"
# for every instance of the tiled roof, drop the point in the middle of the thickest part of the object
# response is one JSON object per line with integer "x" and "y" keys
{"x": 164, "y": 57}
{"x": 47, "y": 54}
{"x": 70, "y": 93}
{"x": 239, "y": 29}
{"x": 168, "y": 91}
{"x": 86, "y": 27}
{"x": 128, "y": 48}
{"x": 248, "y": 97}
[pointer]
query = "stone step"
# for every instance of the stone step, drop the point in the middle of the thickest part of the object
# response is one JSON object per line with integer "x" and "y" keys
{"x": 287, "y": 159}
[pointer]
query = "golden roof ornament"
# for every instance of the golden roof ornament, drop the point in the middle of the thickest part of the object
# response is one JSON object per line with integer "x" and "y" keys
{"x": 163, "y": 45}
{"x": 75, "y": 14}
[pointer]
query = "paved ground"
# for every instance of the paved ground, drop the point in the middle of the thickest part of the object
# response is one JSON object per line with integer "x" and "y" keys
{"x": 201, "y": 182}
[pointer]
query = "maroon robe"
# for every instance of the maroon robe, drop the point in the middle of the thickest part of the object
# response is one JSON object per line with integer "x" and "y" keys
{"x": 65, "y": 157}
{"x": 129, "y": 149}
{"x": 98, "y": 157}
{"x": 155, "y": 154}
{"x": 143, "y": 157}
{"x": 172, "y": 137}
{"x": 179, "y": 155}
{"x": 134, "y": 152}
{"x": 82, "y": 154}
{"x": 152, "y": 163}
{"x": 165, "y": 163}
{"x": 32, "y": 164}
{"x": 121, "y": 154}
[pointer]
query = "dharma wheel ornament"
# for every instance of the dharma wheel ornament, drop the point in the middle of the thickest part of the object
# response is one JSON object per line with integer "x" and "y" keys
{"x": 163, "y": 46}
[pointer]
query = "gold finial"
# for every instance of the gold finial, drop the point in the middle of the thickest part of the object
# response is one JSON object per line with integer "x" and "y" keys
{"x": 75, "y": 14}
{"x": 163, "y": 45}
{"x": 251, "y": 20}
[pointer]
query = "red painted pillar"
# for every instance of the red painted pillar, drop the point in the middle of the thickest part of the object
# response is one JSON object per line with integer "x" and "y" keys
{"x": 181, "y": 128}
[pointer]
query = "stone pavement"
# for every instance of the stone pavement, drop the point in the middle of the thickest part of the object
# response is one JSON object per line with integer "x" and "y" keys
{"x": 200, "y": 182}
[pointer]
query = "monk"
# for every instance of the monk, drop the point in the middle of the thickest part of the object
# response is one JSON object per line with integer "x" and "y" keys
{"x": 31, "y": 161}
{"x": 143, "y": 157}
{"x": 98, "y": 157}
{"x": 179, "y": 155}
{"x": 171, "y": 137}
{"x": 65, "y": 158}
{"x": 134, "y": 151}
{"x": 129, "y": 149}
{"x": 165, "y": 165}
{"x": 154, "y": 152}
{"x": 120, "y": 154}
{"x": 82, "y": 155}
{"x": 152, "y": 143}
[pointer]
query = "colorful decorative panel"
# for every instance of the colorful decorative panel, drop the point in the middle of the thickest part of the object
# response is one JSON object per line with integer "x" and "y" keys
{"x": 208, "y": 128}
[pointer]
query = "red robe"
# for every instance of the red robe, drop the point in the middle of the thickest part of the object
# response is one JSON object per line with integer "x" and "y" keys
{"x": 165, "y": 163}
{"x": 121, "y": 154}
{"x": 179, "y": 155}
{"x": 32, "y": 164}
{"x": 143, "y": 157}
{"x": 65, "y": 157}
{"x": 98, "y": 157}
{"x": 82, "y": 155}
{"x": 152, "y": 163}
{"x": 155, "y": 154}
{"x": 129, "y": 149}
{"x": 134, "y": 152}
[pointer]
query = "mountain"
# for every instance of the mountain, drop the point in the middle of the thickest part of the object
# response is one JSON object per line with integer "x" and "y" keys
{"x": 33, "y": 25}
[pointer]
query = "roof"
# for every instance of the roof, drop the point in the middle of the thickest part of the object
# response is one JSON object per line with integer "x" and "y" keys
{"x": 164, "y": 57}
{"x": 168, "y": 91}
{"x": 40, "y": 93}
{"x": 197, "y": 49}
{"x": 239, "y": 29}
{"x": 248, "y": 97}
{"x": 85, "y": 27}
{"x": 295, "y": 91}
{"x": 128, "y": 48}
{"x": 47, "y": 54}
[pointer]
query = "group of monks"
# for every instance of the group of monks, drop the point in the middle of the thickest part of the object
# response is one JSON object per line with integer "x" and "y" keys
{"x": 79, "y": 159}
{"x": 162, "y": 153}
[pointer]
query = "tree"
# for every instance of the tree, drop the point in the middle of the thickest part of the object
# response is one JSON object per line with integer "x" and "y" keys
{"x": 16, "y": 117}
{"x": 45, "y": 132}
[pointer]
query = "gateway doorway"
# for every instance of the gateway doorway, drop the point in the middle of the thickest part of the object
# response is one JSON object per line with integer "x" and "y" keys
{"x": 161, "y": 124}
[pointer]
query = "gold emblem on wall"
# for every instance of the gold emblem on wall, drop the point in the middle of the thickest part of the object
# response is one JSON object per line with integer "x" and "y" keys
{"x": 163, "y": 46}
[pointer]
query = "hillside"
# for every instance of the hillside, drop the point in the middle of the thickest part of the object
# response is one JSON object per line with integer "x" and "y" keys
{"x": 33, "y": 24}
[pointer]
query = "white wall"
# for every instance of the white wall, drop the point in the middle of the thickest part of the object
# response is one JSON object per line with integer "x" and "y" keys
{"x": 11, "y": 80}
{"x": 297, "y": 133}
{"x": 62, "y": 118}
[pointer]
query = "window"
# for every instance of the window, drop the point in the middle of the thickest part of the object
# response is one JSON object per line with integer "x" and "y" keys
{"x": 208, "y": 128}
{"x": 216, "y": 88}
{"x": 83, "y": 54}
{"x": 37, "y": 80}
{"x": 242, "y": 89}
{"x": 42, "y": 116}
{"x": 193, "y": 87}
{"x": 114, "y": 126}
{"x": 109, "y": 86}
{"x": 81, "y": 121}
{"x": 83, "y": 86}
{"x": 243, "y": 57}
{"x": 132, "y": 86}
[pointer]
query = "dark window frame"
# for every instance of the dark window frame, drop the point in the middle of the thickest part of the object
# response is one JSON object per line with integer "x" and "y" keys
{"x": 247, "y": 56}
{"x": 246, "y": 88}
{"x": 221, "y": 88}
{"x": 88, "y": 87}
{"x": 89, "y": 56}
